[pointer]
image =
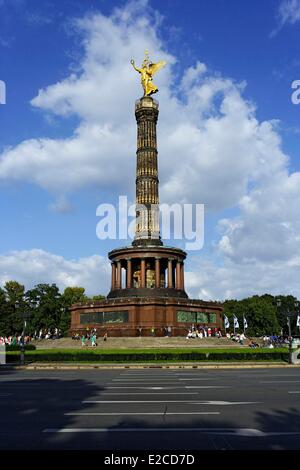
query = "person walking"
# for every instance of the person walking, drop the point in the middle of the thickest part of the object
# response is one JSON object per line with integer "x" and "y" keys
{"x": 93, "y": 340}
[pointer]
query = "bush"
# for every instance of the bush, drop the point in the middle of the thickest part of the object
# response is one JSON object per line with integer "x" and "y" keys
{"x": 16, "y": 347}
{"x": 75, "y": 355}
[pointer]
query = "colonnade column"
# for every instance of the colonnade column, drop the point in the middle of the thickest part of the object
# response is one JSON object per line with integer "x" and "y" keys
{"x": 157, "y": 272}
{"x": 170, "y": 273}
{"x": 113, "y": 276}
{"x": 119, "y": 275}
{"x": 178, "y": 274}
{"x": 143, "y": 272}
{"x": 182, "y": 275}
{"x": 129, "y": 274}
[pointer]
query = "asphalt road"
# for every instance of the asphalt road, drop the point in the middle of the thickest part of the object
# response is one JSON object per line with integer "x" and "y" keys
{"x": 150, "y": 409}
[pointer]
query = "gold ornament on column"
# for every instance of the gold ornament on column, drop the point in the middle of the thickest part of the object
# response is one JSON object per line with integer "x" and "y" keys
{"x": 147, "y": 70}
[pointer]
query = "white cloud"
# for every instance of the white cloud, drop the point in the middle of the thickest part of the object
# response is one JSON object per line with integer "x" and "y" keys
{"x": 205, "y": 278}
{"x": 268, "y": 226}
{"x": 210, "y": 144}
{"x": 210, "y": 280}
{"x": 212, "y": 150}
{"x": 31, "y": 267}
{"x": 61, "y": 205}
{"x": 288, "y": 13}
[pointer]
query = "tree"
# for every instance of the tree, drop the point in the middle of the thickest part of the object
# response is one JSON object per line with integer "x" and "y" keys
{"x": 260, "y": 313}
{"x": 70, "y": 296}
{"x": 98, "y": 297}
{"x": 73, "y": 295}
{"x": 45, "y": 304}
{"x": 287, "y": 305}
{"x": 13, "y": 305}
{"x": 3, "y": 314}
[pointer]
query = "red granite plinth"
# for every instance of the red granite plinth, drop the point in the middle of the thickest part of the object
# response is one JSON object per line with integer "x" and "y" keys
{"x": 145, "y": 313}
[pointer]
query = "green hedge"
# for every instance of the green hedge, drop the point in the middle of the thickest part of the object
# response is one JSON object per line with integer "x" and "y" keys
{"x": 69, "y": 355}
{"x": 16, "y": 347}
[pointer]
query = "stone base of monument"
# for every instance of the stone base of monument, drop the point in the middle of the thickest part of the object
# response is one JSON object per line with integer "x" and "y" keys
{"x": 126, "y": 316}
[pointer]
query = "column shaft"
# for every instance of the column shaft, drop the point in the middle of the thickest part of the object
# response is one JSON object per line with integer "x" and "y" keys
{"x": 157, "y": 272}
{"x": 182, "y": 276}
{"x": 119, "y": 275}
{"x": 143, "y": 273}
{"x": 178, "y": 275}
{"x": 170, "y": 273}
{"x": 129, "y": 274}
{"x": 113, "y": 276}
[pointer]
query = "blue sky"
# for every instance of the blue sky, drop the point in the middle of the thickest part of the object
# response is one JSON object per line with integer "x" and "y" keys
{"x": 238, "y": 103}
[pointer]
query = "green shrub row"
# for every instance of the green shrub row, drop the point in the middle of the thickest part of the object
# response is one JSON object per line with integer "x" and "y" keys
{"x": 150, "y": 356}
{"x": 16, "y": 347}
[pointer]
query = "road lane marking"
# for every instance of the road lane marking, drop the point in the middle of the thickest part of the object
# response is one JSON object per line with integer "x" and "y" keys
{"x": 147, "y": 377}
{"x": 175, "y": 380}
{"x": 158, "y": 379}
{"x": 149, "y": 393}
{"x": 179, "y": 387}
{"x": 279, "y": 381}
{"x": 191, "y": 402}
{"x": 142, "y": 388}
{"x": 208, "y": 386}
{"x": 239, "y": 432}
{"x": 194, "y": 378}
{"x": 146, "y": 414}
{"x": 146, "y": 382}
{"x": 295, "y": 391}
{"x": 186, "y": 386}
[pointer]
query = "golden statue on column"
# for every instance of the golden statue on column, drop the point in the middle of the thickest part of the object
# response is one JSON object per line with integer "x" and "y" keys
{"x": 147, "y": 70}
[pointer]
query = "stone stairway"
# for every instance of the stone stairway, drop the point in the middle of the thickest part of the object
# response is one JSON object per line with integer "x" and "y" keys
{"x": 141, "y": 343}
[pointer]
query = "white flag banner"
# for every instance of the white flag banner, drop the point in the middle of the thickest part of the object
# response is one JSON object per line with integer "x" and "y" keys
{"x": 226, "y": 322}
{"x": 235, "y": 322}
{"x": 245, "y": 323}
{"x": 298, "y": 320}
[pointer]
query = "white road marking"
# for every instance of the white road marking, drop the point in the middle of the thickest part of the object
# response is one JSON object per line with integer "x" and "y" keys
{"x": 149, "y": 393}
{"x": 279, "y": 381}
{"x": 146, "y": 376}
{"x": 146, "y": 414}
{"x": 191, "y": 402}
{"x": 144, "y": 380}
{"x": 207, "y": 386}
{"x": 295, "y": 391}
{"x": 244, "y": 432}
{"x": 169, "y": 377}
{"x": 174, "y": 385}
{"x": 142, "y": 388}
{"x": 178, "y": 387}
{"x": 151, "y": 380}
{"x": 194, "y": 378}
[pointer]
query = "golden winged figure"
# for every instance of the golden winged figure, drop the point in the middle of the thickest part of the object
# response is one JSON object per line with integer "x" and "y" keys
{"x": 147, "y": 70}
